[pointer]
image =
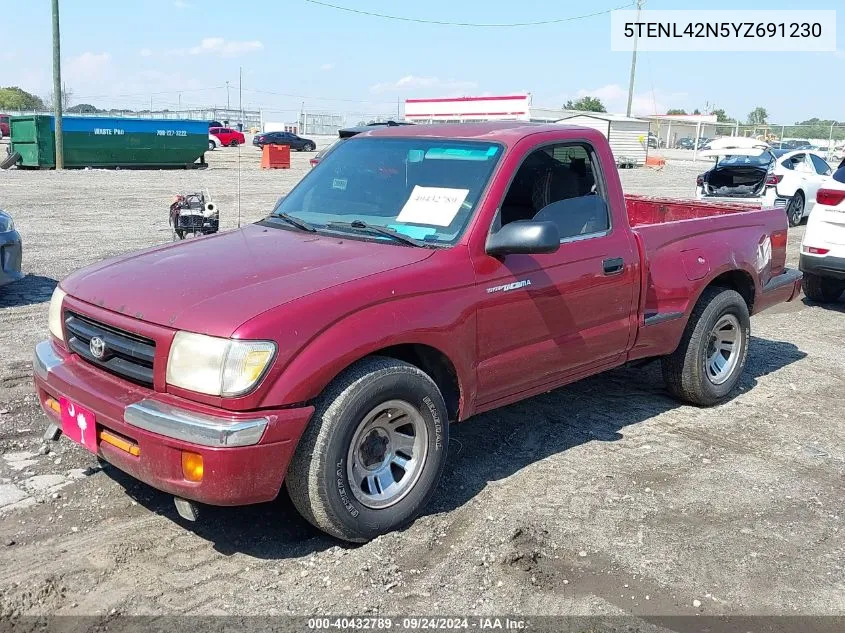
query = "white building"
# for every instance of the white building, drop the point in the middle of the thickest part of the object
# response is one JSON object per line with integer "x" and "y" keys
{"x": 516, "y": 107}
{"x": 628, "y": 137}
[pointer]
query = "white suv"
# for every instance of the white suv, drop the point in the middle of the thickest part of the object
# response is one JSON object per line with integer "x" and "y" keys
{"x": 823, "y": 249}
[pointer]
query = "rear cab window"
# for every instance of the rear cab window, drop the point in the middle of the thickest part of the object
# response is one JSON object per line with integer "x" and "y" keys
{"x": 839, "y": 174}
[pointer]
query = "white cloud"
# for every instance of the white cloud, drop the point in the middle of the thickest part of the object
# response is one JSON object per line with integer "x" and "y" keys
{"x": 88, "y": 67}
{"x": 224, "y": 48}
{"x": 414, "y": 83}
{"x": 145, "y": 52}
{"x": 328, "y": 66}
{"x": 181, "y": 4}
{"x": 615, "y": 99}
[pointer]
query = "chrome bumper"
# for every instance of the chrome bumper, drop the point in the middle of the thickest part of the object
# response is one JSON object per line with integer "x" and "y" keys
{"x": 167, "y": 420}
{"x": 196, "y": 428}
{"x": 44, "y": 359}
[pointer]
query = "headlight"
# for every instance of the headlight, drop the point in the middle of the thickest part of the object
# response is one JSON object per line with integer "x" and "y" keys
{"x": 6, "y": 223}
{"x": 54, "y": 319}
{"x": 217, "y": 366}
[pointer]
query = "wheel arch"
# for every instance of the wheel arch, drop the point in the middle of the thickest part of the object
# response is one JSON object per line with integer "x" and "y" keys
{"x": 735, "y": 279}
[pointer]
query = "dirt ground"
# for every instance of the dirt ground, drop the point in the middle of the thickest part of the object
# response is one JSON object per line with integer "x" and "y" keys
{"x": 602, "y": 498}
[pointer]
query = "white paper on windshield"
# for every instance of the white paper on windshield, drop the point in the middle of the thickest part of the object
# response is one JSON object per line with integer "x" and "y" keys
{"x": 436, "y": 206}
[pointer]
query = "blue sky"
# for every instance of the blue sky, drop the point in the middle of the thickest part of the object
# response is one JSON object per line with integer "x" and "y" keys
{"x": 126, "y": 53}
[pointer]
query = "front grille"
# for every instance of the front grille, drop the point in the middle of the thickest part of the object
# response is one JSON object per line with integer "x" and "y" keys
{"x": 125, "y": 354}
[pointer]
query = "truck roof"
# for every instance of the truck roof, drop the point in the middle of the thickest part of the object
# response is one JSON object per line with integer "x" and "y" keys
{"x": 507, "y": 132}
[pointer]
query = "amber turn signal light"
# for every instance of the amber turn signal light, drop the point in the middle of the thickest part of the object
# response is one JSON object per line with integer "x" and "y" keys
{"x": 191, "y": 466}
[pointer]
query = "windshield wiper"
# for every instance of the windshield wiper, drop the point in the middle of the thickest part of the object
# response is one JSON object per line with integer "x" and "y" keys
{"x": 361, "y": 225}
{"x": 294, "y": 221}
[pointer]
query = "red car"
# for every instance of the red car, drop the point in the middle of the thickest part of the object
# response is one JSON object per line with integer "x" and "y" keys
{"x": 228, "y": 137}
{"x": 420, "y": 276}
{"x": 4, "y": 125}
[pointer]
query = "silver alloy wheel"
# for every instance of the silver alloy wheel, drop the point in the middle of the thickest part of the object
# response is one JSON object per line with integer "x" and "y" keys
{"x": 724, "y": 349}
{"x": 387, "y": 454}
{"x": 797, "y": 209}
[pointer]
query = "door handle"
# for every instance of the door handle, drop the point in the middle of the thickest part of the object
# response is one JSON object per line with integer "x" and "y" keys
{"x": 613, "y": 266}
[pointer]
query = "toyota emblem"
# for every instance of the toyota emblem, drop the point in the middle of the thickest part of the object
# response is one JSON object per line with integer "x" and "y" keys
{"x": 97, "y": 347}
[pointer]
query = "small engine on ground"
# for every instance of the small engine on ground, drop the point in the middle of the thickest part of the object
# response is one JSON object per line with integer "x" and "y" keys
{"x": 191, "y": 213}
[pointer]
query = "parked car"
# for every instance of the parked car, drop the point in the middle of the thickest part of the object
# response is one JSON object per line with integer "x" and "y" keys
{"x": 653, "y": 142}
{"x": 214, "y": 142}
{"x": 822, "y": 258}
{"x": 5, "y": 130}
{"x": 284, "y": 138}
{"x": 349, "y": 132}
{"x": 749, "y": 170}
{"x": 227, "y": 136}
{"x": 685, "y": 143}
{"x": 794, "y": 144}
{"x": 421, "y": 275}
{"x": 10, "y": 250}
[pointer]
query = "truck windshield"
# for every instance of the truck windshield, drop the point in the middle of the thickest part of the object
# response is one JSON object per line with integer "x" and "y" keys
{"x": 426, "y": 189}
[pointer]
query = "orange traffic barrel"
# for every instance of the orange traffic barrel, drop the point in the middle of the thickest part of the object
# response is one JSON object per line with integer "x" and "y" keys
{"x": 275, "y": 157}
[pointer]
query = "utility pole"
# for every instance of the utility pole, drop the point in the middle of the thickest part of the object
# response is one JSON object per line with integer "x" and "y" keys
{"x": 57, "y": 89}
{"x": 241, "y": 93}
{"x": 227, "y": 95}
{"x": 180, "y": 100}
{"x": 633, "y": 62}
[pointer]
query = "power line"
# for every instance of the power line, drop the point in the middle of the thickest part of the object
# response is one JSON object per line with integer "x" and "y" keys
{"x": 145, "y": 94}
{"x": 313, "y": 98}
{"x": 475, "y": 24}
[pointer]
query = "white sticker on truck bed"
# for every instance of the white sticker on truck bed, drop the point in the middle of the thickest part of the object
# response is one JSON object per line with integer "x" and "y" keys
{"x": 435, "y": 206}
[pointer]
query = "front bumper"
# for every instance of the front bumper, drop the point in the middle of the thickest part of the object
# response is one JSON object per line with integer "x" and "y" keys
{"x": 822, "y": 265}
{"x": 11, "y": 253}
{"x": 245, "y": 455}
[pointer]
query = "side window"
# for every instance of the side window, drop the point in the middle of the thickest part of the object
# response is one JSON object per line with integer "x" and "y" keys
{"x": 822, "y": 168}
{"x": 799, "y": 163}
{"x": 214, "y": 130}
{"x": 562, "y": 184}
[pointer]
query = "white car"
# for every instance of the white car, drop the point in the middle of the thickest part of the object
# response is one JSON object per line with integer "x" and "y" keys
{"x": 213, "y": 142}
{"x": 822, "y": 257}
{"x": 750, "y": 170}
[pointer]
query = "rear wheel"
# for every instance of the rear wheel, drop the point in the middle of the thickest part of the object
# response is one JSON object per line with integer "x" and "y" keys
{"x": 308, "y": 147}
{"x": 711, "y": 356}
{"x": 234, "y": 143}
{"x": 822, "y": 289}
{"x": 795, "y": 209}
{"x": 373, "y": 453}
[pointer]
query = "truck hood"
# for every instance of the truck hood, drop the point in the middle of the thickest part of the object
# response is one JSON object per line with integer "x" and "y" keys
{"x": 214, "y": 284}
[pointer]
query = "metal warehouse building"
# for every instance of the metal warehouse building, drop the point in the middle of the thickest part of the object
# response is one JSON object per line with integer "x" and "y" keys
{"x": 628, "y": 137}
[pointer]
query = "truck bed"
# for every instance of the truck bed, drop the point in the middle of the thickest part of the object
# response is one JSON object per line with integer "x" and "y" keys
{"x": 684, "y": 244}
{"x": 644, "y": 210}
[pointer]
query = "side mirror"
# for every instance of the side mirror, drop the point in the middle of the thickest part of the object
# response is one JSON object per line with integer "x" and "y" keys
{"x": 524, "y": 237}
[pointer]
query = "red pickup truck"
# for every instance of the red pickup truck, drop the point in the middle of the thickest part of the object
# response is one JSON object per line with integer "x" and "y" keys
{"x": 416, "y": 277}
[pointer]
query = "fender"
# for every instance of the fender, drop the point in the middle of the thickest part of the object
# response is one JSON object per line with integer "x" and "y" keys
{"x": 444, "y": 321}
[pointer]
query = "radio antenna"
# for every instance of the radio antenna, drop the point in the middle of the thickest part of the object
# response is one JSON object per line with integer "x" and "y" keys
{"x": 239, "y": 186}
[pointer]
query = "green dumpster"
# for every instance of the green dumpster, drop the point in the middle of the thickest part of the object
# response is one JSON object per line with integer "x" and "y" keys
{"x": 108, "y": 142}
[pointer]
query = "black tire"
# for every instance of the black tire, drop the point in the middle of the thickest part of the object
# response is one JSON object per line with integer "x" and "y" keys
{"x": 822, "y": 289}
{"x": 795, "y": 209}
{"x": 685, "y": 369}
{"x": 11, "y": 160}
{"x": 212, "y": 145}
{"x": 318, "y": 480}
{"x": 233, "y": 144}
{"x": 308, "y": 147}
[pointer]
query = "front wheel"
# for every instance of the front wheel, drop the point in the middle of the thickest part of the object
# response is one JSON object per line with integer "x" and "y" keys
{"x": 212, "y": 145}
{"x": 373, "y": 453}
{"x": 795, "y": 209}
{"x": 711, "y": 356}
{"x": 822, "y": 289}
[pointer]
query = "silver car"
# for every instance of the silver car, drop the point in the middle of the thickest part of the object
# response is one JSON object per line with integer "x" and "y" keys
{"x": 10, "y": 250}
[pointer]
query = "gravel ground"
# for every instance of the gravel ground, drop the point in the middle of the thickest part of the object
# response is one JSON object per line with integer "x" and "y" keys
{"x": 602, "y": 498}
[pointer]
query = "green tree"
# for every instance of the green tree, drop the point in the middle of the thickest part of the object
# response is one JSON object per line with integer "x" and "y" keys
{"x": 586, "y": 104}
{"x": 758, "y": 116}
{"x": 84, "y": 108}
{"x": 14, "y": 98}
{"x": 721, "y": 117}
{"x": 696, "y": 111}
{"x": 676, "y": 111}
